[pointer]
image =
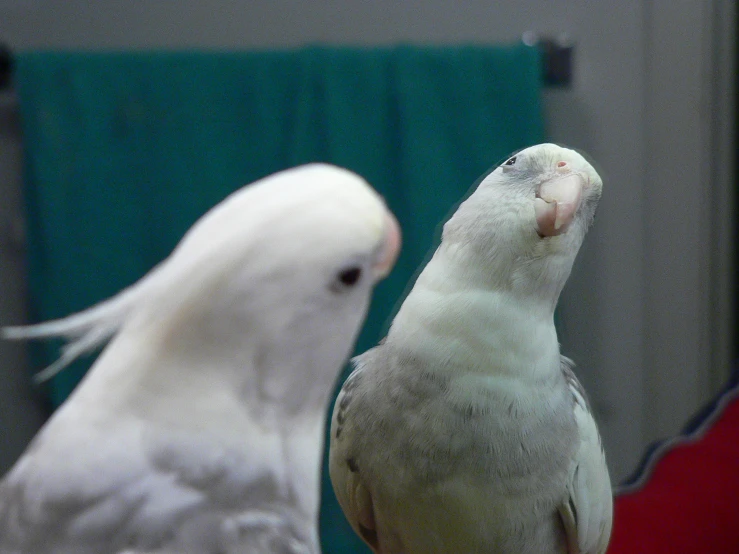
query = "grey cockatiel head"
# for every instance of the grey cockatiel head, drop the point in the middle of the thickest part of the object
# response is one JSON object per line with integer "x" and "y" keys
{"x": 527, "y": 218}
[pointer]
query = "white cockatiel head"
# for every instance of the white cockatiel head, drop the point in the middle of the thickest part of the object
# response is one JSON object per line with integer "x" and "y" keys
{"x": 200, "y": 426}
{"x": 526, "y": 220}
{"x": 267, "y": 291}
{"x": 282, "y": 271}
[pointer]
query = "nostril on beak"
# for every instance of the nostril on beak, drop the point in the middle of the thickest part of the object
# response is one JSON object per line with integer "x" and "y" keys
{"x": 561, "y": 164}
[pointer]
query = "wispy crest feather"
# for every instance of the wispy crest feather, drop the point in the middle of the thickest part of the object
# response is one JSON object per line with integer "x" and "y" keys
{"x": 84, "y": 331}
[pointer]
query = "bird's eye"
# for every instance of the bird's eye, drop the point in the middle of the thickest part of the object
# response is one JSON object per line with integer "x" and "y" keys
{"x": 349, "y": 276}
{"x": 510, "y": 161}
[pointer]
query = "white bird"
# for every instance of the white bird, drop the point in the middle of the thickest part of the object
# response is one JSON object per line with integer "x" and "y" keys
{"x": 465, "y": 430}
{"x": 199, "y": 429}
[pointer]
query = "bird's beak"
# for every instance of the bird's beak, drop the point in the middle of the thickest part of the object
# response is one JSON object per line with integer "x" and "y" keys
{"x": 557, "y": 203}
{"x": 390, "y": 249}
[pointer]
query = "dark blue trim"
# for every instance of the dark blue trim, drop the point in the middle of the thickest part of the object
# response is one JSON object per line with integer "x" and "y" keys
{"x": 694, "y": 429}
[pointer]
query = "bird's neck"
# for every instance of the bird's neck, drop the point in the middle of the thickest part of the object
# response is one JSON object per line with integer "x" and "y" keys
{"x": 218, "y": 395}
{"x": 458, "y": 318}
{"x": 222, "y": 380}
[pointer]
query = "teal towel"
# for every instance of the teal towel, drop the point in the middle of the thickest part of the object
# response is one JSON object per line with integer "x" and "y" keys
{"x": 124, "y": 151}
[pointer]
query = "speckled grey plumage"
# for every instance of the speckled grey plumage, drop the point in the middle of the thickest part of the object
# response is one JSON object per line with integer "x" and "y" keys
{"x": 466, "y": 430}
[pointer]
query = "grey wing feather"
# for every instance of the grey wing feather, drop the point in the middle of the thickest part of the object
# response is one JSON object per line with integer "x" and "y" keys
{"x": 257, "y": 532}
{"x": 343, "y": 400}
{"x": 260, "y": 531}
{"x": 589, "y": 510}
{"x": 351, "y": 492}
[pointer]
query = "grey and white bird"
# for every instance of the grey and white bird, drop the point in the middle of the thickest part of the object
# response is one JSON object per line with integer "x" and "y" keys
{"x": 465, "y": 430}
{"x": 199, "y": 429}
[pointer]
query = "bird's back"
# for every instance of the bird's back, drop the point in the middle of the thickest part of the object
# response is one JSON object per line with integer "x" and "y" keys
{"x": 148, "y": 489}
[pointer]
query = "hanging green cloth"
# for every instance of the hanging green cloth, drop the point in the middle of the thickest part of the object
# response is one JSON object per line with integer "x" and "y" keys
{"x": 124, "y": 151}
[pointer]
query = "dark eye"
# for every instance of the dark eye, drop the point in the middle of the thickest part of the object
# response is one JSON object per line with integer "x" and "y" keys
{"x": 510, "y": 161}
{"x": 349, "y": 276}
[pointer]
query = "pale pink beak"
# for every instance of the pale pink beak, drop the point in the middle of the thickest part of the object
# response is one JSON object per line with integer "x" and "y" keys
{"x": 557, "y": 203}
{"x": 391, "y": 249}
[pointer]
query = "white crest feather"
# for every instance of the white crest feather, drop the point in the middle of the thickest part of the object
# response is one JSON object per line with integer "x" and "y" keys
{"x": 85, "y": 331}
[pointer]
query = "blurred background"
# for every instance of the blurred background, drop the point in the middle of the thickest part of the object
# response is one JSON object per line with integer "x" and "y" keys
{"x": 648, "y": 312}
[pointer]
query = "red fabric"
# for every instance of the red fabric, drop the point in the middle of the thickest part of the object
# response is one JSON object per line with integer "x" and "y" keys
{"x": 690, "y": 504}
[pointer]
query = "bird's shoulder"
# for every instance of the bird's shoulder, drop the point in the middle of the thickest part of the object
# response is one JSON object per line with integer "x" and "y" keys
{"x": 123, "y": 484}
{"x": 70, "y": 481}
{"x": 364, "y": 367}
{"x": 579, "y": 395}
